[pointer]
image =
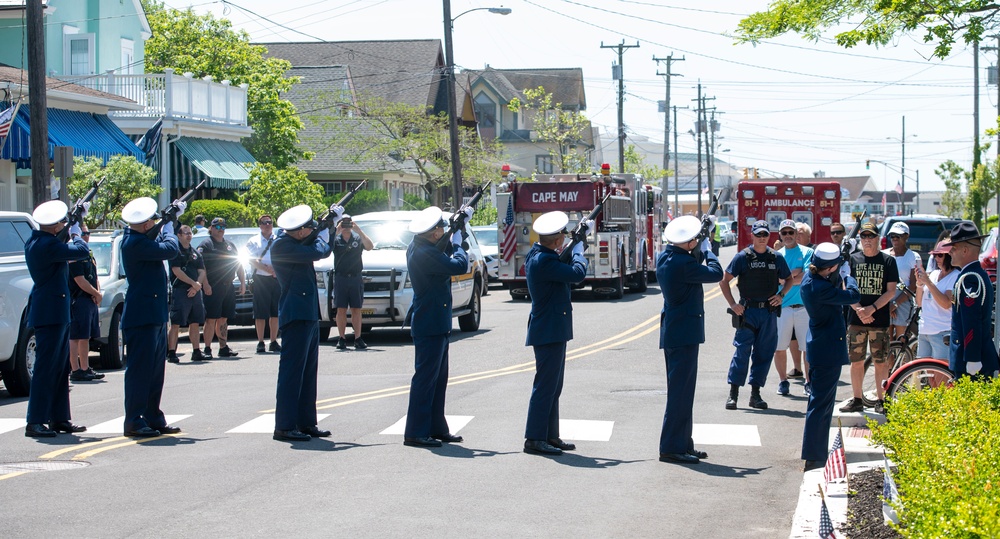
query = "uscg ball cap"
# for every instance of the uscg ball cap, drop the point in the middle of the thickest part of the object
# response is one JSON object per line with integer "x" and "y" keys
{"x": 50, "y": 213}
{"x": 427, "y": 219}
{"x": 682, "y": 229}
{"x": 550, "y": 223}
{"x": 139, "y": 210}
{"x": 760, "y": 226}
{"x": 295, "y": 218}
{"x": 826, "y": 255}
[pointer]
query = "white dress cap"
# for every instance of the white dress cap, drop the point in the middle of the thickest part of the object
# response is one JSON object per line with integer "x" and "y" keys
{"x": 427, "y": 219}
{"x": 50, "y": 213}
{"x": 825, "y": 255}
{"x": 296, "y": 217}
{"x": 139, "y": 210}
{"x": 683, "y": 229}
{"x": 549, "y": 223}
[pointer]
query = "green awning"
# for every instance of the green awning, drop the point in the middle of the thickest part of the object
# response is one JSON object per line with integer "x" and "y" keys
{"x": 223, "y": 163}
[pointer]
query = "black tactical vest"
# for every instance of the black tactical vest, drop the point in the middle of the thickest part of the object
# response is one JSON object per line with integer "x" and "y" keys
{"x": 759, "y": 280}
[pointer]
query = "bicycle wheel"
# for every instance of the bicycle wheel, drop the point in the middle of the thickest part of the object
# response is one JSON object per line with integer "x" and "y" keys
{"x": 899, "y": 355}
{"x": 918, "y": 376}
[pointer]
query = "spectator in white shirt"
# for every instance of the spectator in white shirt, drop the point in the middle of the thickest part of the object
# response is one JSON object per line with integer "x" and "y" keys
{"x": 906, "y": 263}
{"x": 934, "y": 297}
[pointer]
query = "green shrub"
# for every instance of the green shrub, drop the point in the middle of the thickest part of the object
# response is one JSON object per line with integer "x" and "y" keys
{"x": 486, "y": 214}
{"x": 946, "y": 443}
{"x": 235, "y": 214}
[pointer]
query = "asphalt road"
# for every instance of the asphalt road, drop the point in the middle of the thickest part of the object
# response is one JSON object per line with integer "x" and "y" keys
{"x": 214, "y": 480}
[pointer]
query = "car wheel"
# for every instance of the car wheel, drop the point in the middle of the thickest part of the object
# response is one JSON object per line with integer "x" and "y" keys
{"x": 18, "y": 370}
{"x": 470, "y": 322}
{"x": 113, "y": 353}
{"x": 641, "y": 280}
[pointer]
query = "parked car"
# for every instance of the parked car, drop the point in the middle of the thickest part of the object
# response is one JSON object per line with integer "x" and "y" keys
{"x": 924, "y": 231}
{"x": 106, "y": 247}
{"x": 388, "y": 291}
{"x": 486, "y": 235}
{"x": 988, "y": 255}
{"x": 728, "y": 234}
{"x": 17, "y": 341}
{"x": 239, "y": 237}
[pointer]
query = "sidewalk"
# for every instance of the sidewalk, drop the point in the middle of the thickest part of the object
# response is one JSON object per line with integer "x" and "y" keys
{"x": 861, "y": 456}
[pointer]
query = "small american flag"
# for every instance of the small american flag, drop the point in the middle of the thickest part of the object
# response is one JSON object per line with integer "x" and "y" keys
{"x": 7, "y": 119}
{"x": 508, "y": 232}
{"x": 825, "y": 524}
{"x": 899, "y": 188}
{"x": 836, "y": 463}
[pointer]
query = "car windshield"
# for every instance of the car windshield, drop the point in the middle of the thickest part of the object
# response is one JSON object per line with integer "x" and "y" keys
{"x": 486, "y": 236}
{"x": 102, "y": 255}
{"x": 926, "y": 231}
{"x": 388, "y": 234}
{"x": 239, "y": 240}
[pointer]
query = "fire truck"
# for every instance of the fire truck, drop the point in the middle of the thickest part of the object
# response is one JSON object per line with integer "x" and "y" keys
{"x": 815, "y": 203}
{"x": 623, "y": 246}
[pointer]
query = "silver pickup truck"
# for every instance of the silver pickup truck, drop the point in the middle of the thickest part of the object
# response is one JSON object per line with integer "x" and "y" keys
{"x": 17, "y": 343}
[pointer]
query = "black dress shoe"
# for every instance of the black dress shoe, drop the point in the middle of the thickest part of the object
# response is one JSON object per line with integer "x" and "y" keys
{"x": 38, "y": 430}
{"x": 540, "y": 447}
{"x": 448, "y": 438}
{"x": 145, "y": 432}
{"x": 680, "y": 458}
{"x": 293, "y": 435}
{"x": 67, "y": 427}
{"x": 314, "y": 432}
{"x": 426, "y": 441}
{"x": 699, "y": 454}
{"x": 167, "y": 429}
{"x": 565, "y": 446}
{"x": 813, "y": 465}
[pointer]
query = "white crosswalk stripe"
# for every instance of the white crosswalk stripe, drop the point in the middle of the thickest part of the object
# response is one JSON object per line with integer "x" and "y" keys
{"x": 708, "y": 434}
{"x": 9, "y": 424}
{"x": 115, "y": 426}
{"x": 455, "y": 423}
{"x": 263, "y": 424}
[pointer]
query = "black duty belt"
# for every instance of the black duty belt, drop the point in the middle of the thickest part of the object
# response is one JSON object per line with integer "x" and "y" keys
{"x": 756, "y": 304}
{"x": 796, "y": 306}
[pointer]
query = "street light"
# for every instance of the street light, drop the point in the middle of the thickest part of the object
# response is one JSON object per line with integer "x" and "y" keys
{"x": 449, "y": 59}
{"x": 902, "y": 171}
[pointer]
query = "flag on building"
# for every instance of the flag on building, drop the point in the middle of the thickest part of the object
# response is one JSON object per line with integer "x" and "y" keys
{"x": 899, "y": 188}
{"x": 150, "y": 142}
{"x": 7, "y": 119}
{"x": 883, "y": 203}
{"x": 825, "y": 524}
{"x": 508, "y": 233}
{"x": 836, "y": 463}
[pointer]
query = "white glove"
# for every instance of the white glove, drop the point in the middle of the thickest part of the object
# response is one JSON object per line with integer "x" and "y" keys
{"x": 706, "y": 245}
{"x": 86, "y": 209}
{"x": 468, "y": 211}
{"x": 324, "y": 235}
{"x": 973, "y": 367}
{"x": 337, "y": 210}
{"x": 588, "y": 226}
{"x": 181, "y": 206}
{"x": 578, "y": 249}
{"x": 75, "y": 230}
{"x": 456, "y": 238}
{"x": 168, "y": 229}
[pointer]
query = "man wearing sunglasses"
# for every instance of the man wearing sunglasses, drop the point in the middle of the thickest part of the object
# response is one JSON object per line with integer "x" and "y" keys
{"x": 793, "y": 318}
{"x": 972, "y": 350}
{"x": 85, "y": 322}
{"x": 265, "y": 285}
{"x": 906, "y": 262}
{"x": 221, "y": 263}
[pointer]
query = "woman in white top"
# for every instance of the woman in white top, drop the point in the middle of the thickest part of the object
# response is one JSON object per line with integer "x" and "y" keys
{"x": 934, "y": 297}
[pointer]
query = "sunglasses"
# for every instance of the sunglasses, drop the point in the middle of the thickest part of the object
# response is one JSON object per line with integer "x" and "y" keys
{"x": 894, "y": 236}
{"x": 266, "y": 223}
{"x": 836, "y": 232}
{"x": 762, "y": 235}
{"x": 868, "y": 236}
{"x": 85, "y": 233}
{"x": 219, "y": 227}
{"x": 939, "y": 255}
{"x": 789, "y": 233}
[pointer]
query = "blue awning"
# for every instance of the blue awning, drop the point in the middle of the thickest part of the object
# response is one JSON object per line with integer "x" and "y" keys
{"x": 89, "y": 135}
{"x": 223, "y": 163}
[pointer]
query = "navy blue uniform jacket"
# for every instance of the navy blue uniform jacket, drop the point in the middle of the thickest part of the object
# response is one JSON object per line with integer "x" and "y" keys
{"x": 293, "y": 266}
{"x": 430, "y": 272}
{"x": 682, "y": 320}
{"x": 971, "y": 333}
{"x": 826, "y": 345}
{"x": 47, "y": 259}
{"x": 551, "y": 317}
{"x": 146, "y": 299}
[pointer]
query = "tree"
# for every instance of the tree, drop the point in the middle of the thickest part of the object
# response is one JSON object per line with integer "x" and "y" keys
{"x": 952, "y": 200}
{"x": 875, "y": 22}
{"x": 563, "y": 128}
{"x": 635, "y": 163}
{"x": 125, "y": 179}
{"x": 204, "y": 45}
{"x": 271, "y": 191}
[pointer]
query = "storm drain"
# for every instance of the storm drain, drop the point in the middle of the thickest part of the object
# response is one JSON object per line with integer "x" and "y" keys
{"x": 41, "y": 466}
{"x": 640, "y": 392}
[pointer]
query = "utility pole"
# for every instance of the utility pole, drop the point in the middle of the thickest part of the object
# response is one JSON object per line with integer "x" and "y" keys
{"x": 666, "y": 113}
{"x": 620, "y": 75}
{"x": 39, "y": 141}
{"x": 902, "y": 172}
{"x": 975, "y": 108}
{"x": 996, "y": 79}
{"x": 677, "y": 207}
{"x": 697, "y": 129}
{"x": 711, "y": 157}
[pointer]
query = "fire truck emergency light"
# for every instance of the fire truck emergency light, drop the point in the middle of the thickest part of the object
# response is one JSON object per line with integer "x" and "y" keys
{"x": 807, "y": 190}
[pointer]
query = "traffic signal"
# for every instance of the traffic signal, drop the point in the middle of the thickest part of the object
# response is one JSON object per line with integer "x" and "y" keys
{"x": 868, "y": 164}
{"x": 756, "y": 176}
{"x": 746, "y": 174}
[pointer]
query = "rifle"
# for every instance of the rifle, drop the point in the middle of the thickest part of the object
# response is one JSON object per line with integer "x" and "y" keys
{"x": 579, "y": 235}
{"x": 459, "y": 218}
{"x": 76, "y": 214}
{"x": 169, "y": 213}
{"x": 845, "y": 248}
{"x": 706, "y": 226}
{"x": 327, "y": 219}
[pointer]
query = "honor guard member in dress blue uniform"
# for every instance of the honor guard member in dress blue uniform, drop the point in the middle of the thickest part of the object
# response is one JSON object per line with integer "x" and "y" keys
{"x": 144, "y": 317}
{"x": 755, "y": 316}
{"x": 824, "y": 294}
{"x": 971, "y": 350}
{"x": 48, "y": 314}
{"x": 550, "y": 326}
{"x": 430, "y": 271}
{"x": 682, "y": 330}
{"x": 292, "y": 257}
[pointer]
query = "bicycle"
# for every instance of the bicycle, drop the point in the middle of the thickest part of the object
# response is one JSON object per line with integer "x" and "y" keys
{"x": 926, "y": 373}
{"x": 901, "y": 352}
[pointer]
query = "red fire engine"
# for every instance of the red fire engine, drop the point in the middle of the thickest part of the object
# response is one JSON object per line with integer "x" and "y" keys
{"x": 622, "y": 247}
{"x": 815, "y": 203}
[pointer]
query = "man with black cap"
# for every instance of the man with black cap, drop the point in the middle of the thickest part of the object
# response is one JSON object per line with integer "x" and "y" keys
{"x": 144, "y": 316}
{"x": 972, "y": 350}
{"x": 48, "y": 313}
{"x": 292, "y": 256}
{"x": 550, "y": 326}
{"x": 430, "y": 272}
{"x": 823, "y": 291}
{"x": 682, "y": 330}
{"x": 759, "y": 269}
{"x": 221, "y": 262}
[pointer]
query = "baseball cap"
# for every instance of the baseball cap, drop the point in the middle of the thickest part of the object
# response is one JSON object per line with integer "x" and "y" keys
{"x": 759, "y": 226}
{"x": 787, "y": 223}
{"x": 219, "y": 221}
{"x": 868, "y": 227}
{"x": 899, "y": 227}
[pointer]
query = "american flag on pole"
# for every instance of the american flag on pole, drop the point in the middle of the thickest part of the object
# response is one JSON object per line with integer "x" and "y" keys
{"x": 508, "y": 232}
{"x": 836, "y": 463}
{"x": 883, "y": 202}
{"x": 825, "y": 524}
{"x": 899, "y": 188}
{"x": 7, "y": 119}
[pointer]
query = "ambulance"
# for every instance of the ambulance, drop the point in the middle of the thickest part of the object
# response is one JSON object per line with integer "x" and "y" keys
{"x": 815, "y": 203}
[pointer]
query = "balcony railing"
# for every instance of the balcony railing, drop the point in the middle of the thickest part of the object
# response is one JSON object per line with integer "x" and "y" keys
{"x": 172, "y": 96}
